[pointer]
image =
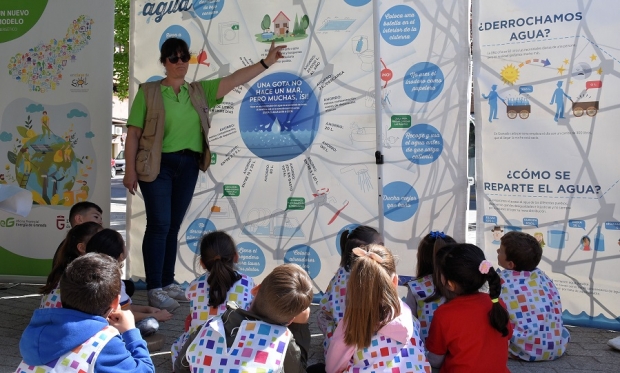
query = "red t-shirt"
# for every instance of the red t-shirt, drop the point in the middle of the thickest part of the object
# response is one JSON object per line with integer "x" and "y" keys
{"x": 461, "y": 331}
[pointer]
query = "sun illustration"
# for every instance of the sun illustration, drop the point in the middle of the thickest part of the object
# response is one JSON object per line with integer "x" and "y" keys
{"x": 510, "y": 74}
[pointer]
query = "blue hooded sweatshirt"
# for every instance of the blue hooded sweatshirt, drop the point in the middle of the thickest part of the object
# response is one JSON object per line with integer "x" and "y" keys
{"x": 53, "y": 332}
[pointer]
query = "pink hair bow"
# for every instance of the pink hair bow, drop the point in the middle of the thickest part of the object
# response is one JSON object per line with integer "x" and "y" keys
{"x": 361, "y": 252}
{"x": 484, "y": 266}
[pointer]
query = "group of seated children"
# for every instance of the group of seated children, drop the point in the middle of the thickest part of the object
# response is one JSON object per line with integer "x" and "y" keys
{"x": 456, "y": 326}
{"x": 233, "y": 325}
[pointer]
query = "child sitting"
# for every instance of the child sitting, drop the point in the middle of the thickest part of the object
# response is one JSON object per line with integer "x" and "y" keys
{"x": 424, "y": 293}
{"x": 378, "y": 330}
{"x": 80, "y": 213}
{"x": 271, "y": 336}
{"x": 209, "y": 293}
{"x": 332, "y": 302}
{"x": 110, "y": 242}
{"x": 89, "y": 333}
{"x": 469, "y": 332}
{"x": 72, "y": 247}
{"x": 532, "y": 300}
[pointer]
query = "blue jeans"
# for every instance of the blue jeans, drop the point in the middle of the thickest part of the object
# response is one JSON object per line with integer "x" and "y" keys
{"x": 166, "y": 200}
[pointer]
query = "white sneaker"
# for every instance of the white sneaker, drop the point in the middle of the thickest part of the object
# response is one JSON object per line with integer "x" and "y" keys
{"x": 615, "y": 343}
{"x": 158, "y": 298}
{"x": 176, "y": 292}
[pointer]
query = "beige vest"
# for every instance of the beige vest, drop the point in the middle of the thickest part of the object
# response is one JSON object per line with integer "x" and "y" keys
{"x": 148, "y": 157}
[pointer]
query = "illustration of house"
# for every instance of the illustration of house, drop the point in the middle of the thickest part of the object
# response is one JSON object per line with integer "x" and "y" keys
{"x": 281, "y": 24}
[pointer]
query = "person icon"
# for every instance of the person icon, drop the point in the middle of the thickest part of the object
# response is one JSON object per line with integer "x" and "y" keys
{"x": 540, "y": 238}
{"x": 492, "y": 97}
{"x": 45, "y": 128}
{"x": 585, "y": 243}
{"x": 26, "y": 161}
{"x": 558, "y": 99}
{"x": 498, "y": 232}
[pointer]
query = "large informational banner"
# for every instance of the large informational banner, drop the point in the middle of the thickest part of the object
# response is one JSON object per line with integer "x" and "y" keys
{"x": 55, "y": 120}
{"x": 546, "y": 93}
{"x": 295, "y": 160}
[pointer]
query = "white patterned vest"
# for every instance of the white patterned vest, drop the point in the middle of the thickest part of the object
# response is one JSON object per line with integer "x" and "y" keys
{"x": 333, "y": 305}
{"x": 422, "y": 288}
{"x": 387, "y": 355}
{"x": 198, "y": 294}
{"x": 51, "y": 300}
{"x": 79, "y": 360}
{"x": 258, "y": 347}
{"x": 535, "y": 309}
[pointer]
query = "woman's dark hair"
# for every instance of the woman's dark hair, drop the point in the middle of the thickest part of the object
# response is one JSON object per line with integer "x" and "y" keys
{"x": 173, "y": 47}
{"x": 460, "y": 264}
{"x": 107, "y": 241}
{"x": 80, "y": 234}
{"x": 217, "y": 254}
{"x": 427, "y": 250}
{"x": 362, "y": 235}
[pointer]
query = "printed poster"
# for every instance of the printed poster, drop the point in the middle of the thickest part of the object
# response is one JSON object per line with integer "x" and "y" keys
{"x": 294, "y": 161}
{"x": 55, "y": 118}
{"x": 545, "y": 88}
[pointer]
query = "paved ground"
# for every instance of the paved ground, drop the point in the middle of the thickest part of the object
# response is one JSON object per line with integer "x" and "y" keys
{"x": 587, "y": 351}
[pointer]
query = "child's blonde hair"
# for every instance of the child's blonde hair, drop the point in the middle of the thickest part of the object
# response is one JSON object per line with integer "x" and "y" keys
{"x": 372, "y": 300}
{"x": 283, "y": 294}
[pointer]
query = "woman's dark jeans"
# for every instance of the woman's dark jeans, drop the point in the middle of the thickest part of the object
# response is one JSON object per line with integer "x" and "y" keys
{"x": 166, "y": 200}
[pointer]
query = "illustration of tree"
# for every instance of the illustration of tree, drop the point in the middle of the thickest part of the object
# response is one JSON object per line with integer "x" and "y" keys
{"x": 296, "y": 29}
{"x": 266, "y": 23}
{"x": 305, "y": 22}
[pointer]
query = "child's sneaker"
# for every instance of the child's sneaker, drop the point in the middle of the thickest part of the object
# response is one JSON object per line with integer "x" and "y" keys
{"x": 176, "y": 292}
{"x": 615, "y": 343}
{"x": 158, "y": 298}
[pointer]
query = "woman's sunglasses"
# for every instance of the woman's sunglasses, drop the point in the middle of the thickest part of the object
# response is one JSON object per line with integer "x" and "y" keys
{"x": 174, "y": 59}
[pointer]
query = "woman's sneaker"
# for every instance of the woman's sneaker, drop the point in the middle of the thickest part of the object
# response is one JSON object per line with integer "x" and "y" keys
{"x": 158, "y": 298}
{"x": 176, "y": 292}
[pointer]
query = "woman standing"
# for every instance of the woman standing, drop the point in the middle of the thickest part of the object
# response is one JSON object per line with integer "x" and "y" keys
{"x": 164, "y": 150}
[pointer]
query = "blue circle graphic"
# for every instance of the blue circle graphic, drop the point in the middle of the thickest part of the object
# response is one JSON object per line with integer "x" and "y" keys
{"x": 357, "y": 2}
{"x": 154, "y": 78}
{"x": 348, "y": 227}
{"x": 195, "y": 231}
{"x": 422, "y": 144}
{"x": 423, "y": 82}
{"x": 279, "y": 117}
{"x": 208, "y": 9}
{"x": 175, "y": 31}
{"x": 251, "y": 259}
{"x": 400, "y": 201}
{"x": 306, "y": 257}
{"x": 400, "y": 25}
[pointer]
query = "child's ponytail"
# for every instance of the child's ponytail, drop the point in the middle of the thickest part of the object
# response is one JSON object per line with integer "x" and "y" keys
{"x": 372, "y": 300}
{"x": 498, "y": 316}
{"x": 218, "y": 254}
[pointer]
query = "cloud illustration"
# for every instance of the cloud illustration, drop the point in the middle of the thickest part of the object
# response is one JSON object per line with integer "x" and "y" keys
{"x": 76, "y": 113}
{"x": 89, "y": 135}
{"x": 34, "y": 108}
{"x": 5, "y": 136}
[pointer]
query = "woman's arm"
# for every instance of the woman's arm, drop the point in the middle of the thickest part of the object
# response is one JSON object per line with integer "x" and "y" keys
{"x": 248, "y": 73}
{"x": 130, "y": 180}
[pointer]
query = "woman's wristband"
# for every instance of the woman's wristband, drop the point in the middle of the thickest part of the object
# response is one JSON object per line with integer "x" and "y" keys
{"x": 262, "y": 62}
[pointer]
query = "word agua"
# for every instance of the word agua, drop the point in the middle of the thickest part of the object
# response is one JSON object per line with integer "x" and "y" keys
{"x": 165, "y": 7}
